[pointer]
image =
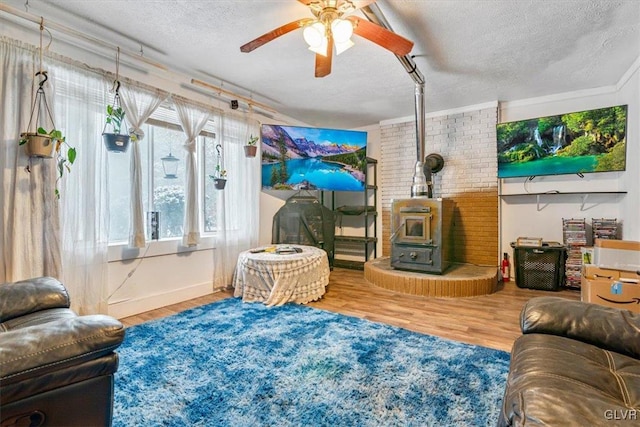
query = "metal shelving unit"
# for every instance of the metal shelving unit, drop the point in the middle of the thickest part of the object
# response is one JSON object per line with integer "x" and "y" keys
{"x": 367, "y": 211}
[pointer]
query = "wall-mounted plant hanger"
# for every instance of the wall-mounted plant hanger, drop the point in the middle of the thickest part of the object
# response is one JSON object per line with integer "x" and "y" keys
{"x": 115, "y": 141}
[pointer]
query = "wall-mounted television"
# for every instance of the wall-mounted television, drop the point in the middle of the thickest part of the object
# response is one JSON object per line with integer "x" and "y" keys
{"x": 574, "y": 143}
{"x": 305, "y": 158}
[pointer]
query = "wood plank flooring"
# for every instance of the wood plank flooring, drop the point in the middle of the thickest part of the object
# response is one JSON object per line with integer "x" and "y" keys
{"x": 488, "y": 320}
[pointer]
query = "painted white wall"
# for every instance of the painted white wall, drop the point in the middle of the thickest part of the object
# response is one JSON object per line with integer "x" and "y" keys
{"x": 145, "y": 283}
{"x": 524, "y": 216}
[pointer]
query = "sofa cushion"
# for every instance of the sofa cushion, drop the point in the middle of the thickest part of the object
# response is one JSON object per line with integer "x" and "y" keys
{"x": 37, "y": 318}
{"x": 30, "y": 296}
{"x": 559, "y": 381}
{"x": 606, "y": 327}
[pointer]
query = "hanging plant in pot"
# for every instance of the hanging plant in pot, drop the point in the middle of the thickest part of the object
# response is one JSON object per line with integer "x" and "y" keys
{"x": 46, "y": 144}
{"x": 115, "y": 141}
{"x": 251, "y": 148}
{"x": 37, "y": 141}
{"x": 220, "y": 176}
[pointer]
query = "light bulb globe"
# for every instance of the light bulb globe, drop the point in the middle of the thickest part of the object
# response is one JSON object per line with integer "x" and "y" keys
{"x": 314, "y": 34}
{"x": 342, "y": 30}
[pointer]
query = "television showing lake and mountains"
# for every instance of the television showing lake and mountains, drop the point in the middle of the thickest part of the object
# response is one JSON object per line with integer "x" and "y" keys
{"x": 302, "y": 158}
{"x": 574, "y": 143}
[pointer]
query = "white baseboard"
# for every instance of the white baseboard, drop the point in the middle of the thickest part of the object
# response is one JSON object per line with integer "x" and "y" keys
{"x": 132, "y": 307}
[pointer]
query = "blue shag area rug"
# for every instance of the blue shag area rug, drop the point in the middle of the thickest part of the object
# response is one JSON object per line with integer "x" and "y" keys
{"x": 235, "y": 364}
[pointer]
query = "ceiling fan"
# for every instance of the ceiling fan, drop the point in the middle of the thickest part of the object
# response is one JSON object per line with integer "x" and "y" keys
{"x": 331, "y": 27}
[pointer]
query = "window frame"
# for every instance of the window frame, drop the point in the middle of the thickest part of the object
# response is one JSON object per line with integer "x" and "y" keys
{"x": 119, "y": 250}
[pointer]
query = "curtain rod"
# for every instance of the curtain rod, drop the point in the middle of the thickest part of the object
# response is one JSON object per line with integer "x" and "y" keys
{"x": 219, "y": 90}
{"x": 70, "y": 31}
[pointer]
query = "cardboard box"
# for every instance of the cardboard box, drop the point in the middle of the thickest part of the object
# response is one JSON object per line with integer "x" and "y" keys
{"x": 611, "y": 288}
{"x": 529, "y": 241}
{"x": 628, "y": 245}
{"x": 590, "y": 271}
{"x": 617, "y": 254}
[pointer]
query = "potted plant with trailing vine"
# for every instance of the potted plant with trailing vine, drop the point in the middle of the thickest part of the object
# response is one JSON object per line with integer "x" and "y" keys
{"x": 250, "y": 149}
{"x": 46, "y": 144}
{"x": 115, "y": 141}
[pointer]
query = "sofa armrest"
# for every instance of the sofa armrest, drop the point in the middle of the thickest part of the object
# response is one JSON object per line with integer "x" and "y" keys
{"x": 38, "y": 349}
{"x": 606, "y": 327}
{"x": 28, "y": 296}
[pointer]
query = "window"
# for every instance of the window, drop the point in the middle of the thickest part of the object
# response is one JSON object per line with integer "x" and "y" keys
{"x": 120, "y": 189}
{"x": 163, "y": 182}
{"x": 168, "y": 184}
{"x": 210, "y": 193}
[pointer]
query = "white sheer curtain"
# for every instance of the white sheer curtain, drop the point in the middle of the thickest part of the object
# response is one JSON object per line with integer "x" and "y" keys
{"x": 193, "y": 120}
{"x": 138, "y": 105}
{"x": 40, "y": 235}
{"x": 238, "y": 204}
{"x": 80, "y": 106}
{"x": 29, "y": 235}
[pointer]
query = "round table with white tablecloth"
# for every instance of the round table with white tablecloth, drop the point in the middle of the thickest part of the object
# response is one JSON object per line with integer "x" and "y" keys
{"x": 279, "y": 274}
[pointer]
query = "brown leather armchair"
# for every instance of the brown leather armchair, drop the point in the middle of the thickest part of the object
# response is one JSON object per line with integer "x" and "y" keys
{"x": 56, "y": 368}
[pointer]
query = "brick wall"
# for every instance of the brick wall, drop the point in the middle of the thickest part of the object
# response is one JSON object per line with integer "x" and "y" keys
{"x": 467, "y": 142}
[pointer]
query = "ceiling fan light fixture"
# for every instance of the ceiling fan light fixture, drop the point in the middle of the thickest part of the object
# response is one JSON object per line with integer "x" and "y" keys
{"x": 342, "y": 30}
{"x": 321, "y": 49}
{"x": 314, "y": 35}
{"x": 342, "y": 46}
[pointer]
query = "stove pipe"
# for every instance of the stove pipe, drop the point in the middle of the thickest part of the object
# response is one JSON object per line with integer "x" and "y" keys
{"x": 422, "y": 184}
{"x": 421, "y": 187}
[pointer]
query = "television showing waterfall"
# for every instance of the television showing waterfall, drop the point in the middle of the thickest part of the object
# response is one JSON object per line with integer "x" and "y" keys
{"x": 574, "y": 143}
{"x": 304, "y": 158}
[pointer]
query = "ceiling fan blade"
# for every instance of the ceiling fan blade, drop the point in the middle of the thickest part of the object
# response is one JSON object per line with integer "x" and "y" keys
{"x": 381, "y": 36}
{"x": 323, "y": 63}
{"x": 273, "y": 34}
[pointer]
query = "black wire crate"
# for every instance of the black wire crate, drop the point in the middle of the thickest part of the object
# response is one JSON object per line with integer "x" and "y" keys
{"x": 540, "y": 267}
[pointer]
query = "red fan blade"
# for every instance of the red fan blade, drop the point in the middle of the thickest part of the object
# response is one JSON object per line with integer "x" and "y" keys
{"x": 280, "y": 31}
{"x": 381, "y": 36}
{"x": 323, "y": 63}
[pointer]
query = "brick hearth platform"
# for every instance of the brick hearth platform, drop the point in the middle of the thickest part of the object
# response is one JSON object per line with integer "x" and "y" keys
{"x": 459, "y": 280}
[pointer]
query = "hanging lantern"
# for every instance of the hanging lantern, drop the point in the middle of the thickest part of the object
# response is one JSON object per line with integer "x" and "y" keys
{"x": 170, "y": 166}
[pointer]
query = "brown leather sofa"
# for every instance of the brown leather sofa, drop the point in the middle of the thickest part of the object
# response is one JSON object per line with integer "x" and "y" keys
{"x": 576, "y": 364}
{"x": 56, "y": 368}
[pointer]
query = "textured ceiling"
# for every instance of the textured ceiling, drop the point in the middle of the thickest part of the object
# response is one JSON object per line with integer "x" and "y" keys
{"x": 470, "y": 52}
